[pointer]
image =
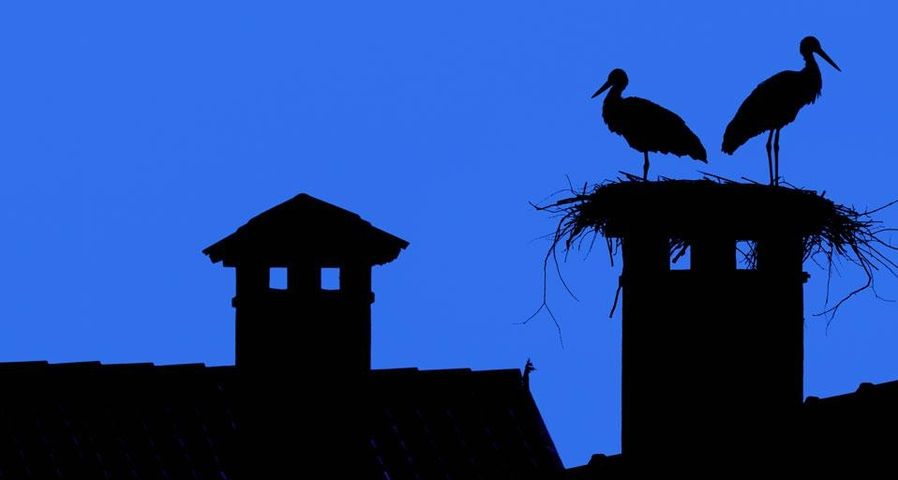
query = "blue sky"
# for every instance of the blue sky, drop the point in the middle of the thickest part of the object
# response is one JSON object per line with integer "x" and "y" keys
{"x": 134, "y": 134}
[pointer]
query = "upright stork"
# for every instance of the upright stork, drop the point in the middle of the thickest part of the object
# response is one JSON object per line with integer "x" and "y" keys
{"x": 775, "y": 103}
{"x": 646, "y": 126}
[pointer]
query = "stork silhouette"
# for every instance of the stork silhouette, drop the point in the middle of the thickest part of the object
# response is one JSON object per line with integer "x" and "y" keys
{"x": 775, "y": 103}
{"x": 646, "y": 126}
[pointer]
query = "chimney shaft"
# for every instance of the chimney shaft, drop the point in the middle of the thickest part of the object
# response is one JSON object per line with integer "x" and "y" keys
{"x": 713, "y": 356}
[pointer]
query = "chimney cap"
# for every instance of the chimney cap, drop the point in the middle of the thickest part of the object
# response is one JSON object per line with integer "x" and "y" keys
{"x": 306, "y": 229}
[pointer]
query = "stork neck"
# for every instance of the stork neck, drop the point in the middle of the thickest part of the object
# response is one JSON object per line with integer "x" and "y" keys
{"x": 614, "y": 94}
{"x": 810, "y": 63}
{"x": 813, "y": 78}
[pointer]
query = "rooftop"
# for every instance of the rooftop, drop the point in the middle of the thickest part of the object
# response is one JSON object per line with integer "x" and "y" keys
{"x": 90, "y": 420}
{"x": 291, "y": 230}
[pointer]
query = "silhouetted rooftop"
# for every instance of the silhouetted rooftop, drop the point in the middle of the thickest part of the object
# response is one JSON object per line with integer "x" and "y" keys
{"x": 599, "y": 466}
{"x": 458, "y": 424}
{"x": 855, "y": 428}
{"x": 88, "y": 420}
{"x": 304, "y": 225}
{"x": 852, "y": 432}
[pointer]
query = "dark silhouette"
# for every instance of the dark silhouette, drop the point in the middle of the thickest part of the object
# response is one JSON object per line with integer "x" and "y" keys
{"x": 712, "y": 367}
{"x": 713, "y": 355}
{"x": 92, "y": 421}
{"x": 303, "y": 325}
{"x": 302, "y": 400}
{"x": 528, "y": 369}
{"x": 304, "y": 357}
{"x": 775, "y": 103}
{"x": 647, "y": 126}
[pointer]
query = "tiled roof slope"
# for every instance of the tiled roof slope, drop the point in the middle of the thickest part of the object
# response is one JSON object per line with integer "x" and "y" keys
{"x": 458, "y": 424}
{"x": 93, "y": 421}
{"x": 857, "y": 431}
{"x": 854, "y": 435}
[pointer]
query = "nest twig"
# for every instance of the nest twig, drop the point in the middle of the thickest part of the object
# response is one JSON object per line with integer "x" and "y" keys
{"x": 858, "y": 238}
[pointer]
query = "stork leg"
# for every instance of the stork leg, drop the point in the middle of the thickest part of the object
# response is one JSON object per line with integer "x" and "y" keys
{"x": 769, "y": 160}
{"x": 645, "y": 166}
{"x": 776, "y": 156}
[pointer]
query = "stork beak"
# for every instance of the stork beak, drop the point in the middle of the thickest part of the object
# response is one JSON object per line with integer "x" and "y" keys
{"x": 830, "y": 61}
{"x": 602, "y": 89}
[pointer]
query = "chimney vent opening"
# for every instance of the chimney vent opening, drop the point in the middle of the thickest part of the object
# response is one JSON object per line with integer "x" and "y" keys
{"x": 680, "y": 254}
{"x": 745, "y": 255}
{"x": 330, "y": 278}
{"x": 277, "y": 278}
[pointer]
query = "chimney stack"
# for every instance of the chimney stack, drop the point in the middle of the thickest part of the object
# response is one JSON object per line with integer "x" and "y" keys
{"x": 712, "y": 355}
{"x": 302, "y": 351}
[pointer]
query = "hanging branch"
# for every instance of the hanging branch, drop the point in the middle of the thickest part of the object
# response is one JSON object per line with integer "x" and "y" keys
{"x": 857, "y": 237}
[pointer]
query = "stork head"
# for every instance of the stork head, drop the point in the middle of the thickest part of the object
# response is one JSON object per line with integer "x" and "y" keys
{"x": 617, "y": 78}
{"x": 810, "y": 45}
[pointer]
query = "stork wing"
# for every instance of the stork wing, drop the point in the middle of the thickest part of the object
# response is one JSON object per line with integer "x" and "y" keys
{"x": 657, "y": 129}
{"x": 771, "y": 105}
